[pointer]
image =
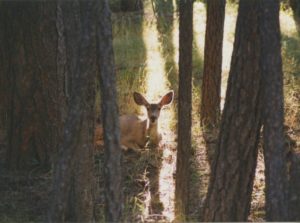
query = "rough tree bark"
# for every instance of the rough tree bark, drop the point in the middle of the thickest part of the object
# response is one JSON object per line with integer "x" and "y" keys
{"x": 234, "y": 164}
{"x": 72, "y": 181}
{"x": 110, "y": 117}
{"x": 294, "y": 185}
{"x": 184, "y": 108}
{"x": 273, "y": 113}
{"x": 211, "y": 83}
{"x": 29, "y": 85}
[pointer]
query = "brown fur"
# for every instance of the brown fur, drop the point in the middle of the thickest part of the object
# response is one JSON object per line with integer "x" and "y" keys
{"x": 134, "y": 131}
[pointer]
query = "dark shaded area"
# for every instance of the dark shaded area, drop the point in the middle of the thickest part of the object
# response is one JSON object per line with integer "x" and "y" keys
{"x": 294, "y": 185}
{"x": 131, "y": 5}
{"x": 273, "y": 113}
{"x": 30, "y": 115}
{"x": 24, "y": 197}
{"x": 126, "y": 5}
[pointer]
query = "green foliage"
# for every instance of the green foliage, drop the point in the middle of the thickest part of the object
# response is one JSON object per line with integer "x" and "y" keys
{"x": 130, "y": 58}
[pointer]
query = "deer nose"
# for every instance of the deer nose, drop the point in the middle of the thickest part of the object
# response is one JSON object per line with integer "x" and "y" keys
{"x": 152, "y": 118}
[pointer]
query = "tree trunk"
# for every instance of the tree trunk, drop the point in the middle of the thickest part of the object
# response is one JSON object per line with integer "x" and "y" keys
{"x": 234, "y": 164}
{"x": 184, "y": 108}
{"x": 72, "y": 187}
{"x": 273, "y": 113}
{"x": 294, "y": 185}
{"x": 211, "y": 83}
{"x": 110, "y": 117}
{"x": 30, "y": 86}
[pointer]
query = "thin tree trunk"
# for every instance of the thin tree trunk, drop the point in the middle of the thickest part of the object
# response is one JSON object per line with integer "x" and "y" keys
{"x": 184, "y": 108}
{"x": 72, "y": 187}
{"x": 110, "y": 117}
{"x": 211, "y": 83}
{"x": 273, "y": 113}
{"x": 234, "y": 164}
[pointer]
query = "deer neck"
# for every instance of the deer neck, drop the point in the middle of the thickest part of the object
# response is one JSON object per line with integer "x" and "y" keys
{"x": 152, "y": 129}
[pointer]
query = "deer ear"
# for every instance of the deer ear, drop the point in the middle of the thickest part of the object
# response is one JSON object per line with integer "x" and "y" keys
{"x": 167, "y": 99}
{"x": 139, "y": 99}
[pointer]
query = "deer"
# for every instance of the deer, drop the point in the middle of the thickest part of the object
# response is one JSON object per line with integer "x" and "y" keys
{"x": 136, "y": 133}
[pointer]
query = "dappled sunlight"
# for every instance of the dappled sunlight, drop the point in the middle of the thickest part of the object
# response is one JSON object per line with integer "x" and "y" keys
{"x": 199, "y": 25}
{"x": 287, "y": 23}
{"x": 147, "y": 196}
{"x": 175, "y": 39}
{"x": 228, "y": 39}
{"x": 229, "y": 29}
{"x": 156, "y": 85}
{"x": 156, "y": 82}
{"x": 258, "y": 198}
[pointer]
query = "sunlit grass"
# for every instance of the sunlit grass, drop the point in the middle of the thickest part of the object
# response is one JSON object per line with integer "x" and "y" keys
{"x": 141, "y": 66}
{"x": 291, "y": 66}
{"x": 287, "y": 23}
{"x": 156, "y": 85}
{"x": 199, "y": 27}
{"x": 229, "y": 29}
{"x": 175, "y": 35}
{"x": 155, "y": 78}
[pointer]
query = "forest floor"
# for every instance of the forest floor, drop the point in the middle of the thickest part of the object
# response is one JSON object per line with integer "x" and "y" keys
{"x": 146, "y": 52}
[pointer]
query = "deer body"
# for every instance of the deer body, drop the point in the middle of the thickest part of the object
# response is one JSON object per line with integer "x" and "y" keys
{"x": 130, "y": 138}
{"x": 135, "y": 132}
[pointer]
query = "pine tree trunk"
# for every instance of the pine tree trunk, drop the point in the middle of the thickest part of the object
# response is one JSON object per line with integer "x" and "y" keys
{"x": 184, "y": 108}
{"x": 273, "y": 113}
{"x": 234, "y": 164}
{"x": 211, "y": 83}
{"x": 294, "y": 185}
{"x": 110, "y": 117}
{"x": 30, "y": 86}
{"x": 72, "y": 198}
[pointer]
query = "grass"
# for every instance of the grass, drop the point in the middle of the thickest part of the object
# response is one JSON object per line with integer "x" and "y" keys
{"x": 291, "y": 68}
{"x": 291, "y": 61}
{"x": 168, "y": 38}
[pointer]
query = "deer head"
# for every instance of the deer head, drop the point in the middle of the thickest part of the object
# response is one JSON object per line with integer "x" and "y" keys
{"x": 153, "y": 109}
